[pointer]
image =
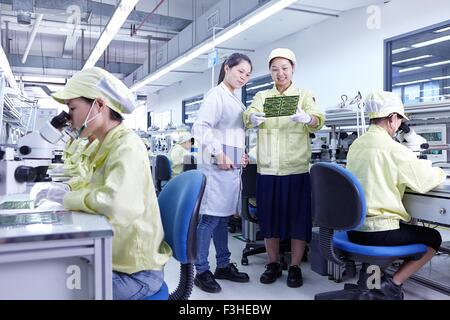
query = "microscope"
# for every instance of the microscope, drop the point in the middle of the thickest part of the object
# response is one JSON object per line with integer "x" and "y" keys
{"x": 35, "y": 152}
{"x": 409, "y": 138}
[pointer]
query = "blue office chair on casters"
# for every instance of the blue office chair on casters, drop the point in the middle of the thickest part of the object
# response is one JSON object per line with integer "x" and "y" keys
{"x": 338, "y": 204}
{"x": 179, "y": 204}
{"x": 163, "y": 172}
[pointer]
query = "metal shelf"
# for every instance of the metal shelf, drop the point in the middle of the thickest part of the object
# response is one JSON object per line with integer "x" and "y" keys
{"x": 418, "y": 114}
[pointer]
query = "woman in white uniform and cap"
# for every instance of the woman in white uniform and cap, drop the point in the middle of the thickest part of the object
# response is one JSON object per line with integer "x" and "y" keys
{"x": 220, "y": 133}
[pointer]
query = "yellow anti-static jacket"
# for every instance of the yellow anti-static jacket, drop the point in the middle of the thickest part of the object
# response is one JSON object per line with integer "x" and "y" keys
{"x": 284, "y": 145}
{"x": 176, "y": 157}
{"x": 121, "y": 188}
{"x": 385, "y": 168}
{"x": 70, "y": 148}
{"x": 71, "y": 166}
{"x": 82, "y": 173}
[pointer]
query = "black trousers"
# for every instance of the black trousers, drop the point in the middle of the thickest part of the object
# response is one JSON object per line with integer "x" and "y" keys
{"x": 407, "y": 234}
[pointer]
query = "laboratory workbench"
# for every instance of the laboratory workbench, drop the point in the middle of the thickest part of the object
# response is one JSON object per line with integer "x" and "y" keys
{"x": 54, "y": 254}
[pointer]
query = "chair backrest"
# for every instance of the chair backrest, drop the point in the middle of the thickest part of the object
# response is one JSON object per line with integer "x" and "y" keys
{"x": 249, "y": 181}
{"x": 189, "y": 163}
{"x": 163, "y": 171}
{"x": 338, "y": 201}
{"x": 248, "y": 190}
{"x": 179, "y": 204}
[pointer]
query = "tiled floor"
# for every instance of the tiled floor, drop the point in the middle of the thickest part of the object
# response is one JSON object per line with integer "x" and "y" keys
{"x": 312, "y": 282}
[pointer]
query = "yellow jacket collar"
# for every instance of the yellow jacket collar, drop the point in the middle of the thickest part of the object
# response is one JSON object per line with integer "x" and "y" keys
{"x": 379, "y": 130}
{"x": 291, "y": 91}
{"x": 106, "y": 145}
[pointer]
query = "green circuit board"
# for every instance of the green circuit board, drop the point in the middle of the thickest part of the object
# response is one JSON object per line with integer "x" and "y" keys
{"x": 280, "y": 106}
{"x": 28, "y": 204}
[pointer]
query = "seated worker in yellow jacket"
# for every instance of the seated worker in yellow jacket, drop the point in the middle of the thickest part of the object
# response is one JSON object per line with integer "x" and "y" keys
{"x": 385, "y": 168}
{"x": 178, "y": 152}
{"x": 120, "y": 186}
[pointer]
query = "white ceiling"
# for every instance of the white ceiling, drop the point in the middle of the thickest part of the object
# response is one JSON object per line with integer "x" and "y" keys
{"x": 54, "y": 32}
{"x": 278, "y": 26}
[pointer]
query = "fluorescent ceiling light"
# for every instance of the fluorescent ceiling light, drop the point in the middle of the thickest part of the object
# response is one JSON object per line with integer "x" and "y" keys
{"x": 437, "y": 63}
{"x": 261, "y": 86}
{"x": 430, "y": 42}
{"x": 192, "y": 103}
{"x": 5, "y": 67}
{"x": 413, "y": 59}
{"x": 442, "y": 30}
{"x": 41, "y": 79}
{"x": 111, "y": 29}
{"x": 400, "y": 50}
{"x": 267, "y": 11}
{"x": 440, "y": 78}
{"x": 411, "y": 82}
{"x": 438, "y": 96}
{"x": 409, "y": 69}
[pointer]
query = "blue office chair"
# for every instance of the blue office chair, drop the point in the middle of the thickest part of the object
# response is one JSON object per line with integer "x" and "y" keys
{"x": 163, "y": 172}
{"x": 179, "y": 204}
{"x": 338, "y": 204}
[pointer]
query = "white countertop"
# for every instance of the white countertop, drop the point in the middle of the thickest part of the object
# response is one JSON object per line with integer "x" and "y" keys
{"x": 65, "y": 225}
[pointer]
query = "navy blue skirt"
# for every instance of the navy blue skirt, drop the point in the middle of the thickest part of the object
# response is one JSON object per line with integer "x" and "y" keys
{"x": 284, "y": 206}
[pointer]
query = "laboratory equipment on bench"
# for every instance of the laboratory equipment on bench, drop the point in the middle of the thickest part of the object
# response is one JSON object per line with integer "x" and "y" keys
{"x": 35, "y": 152}
{"x": 14, "y": 174}
{"x": 409, "y": 138}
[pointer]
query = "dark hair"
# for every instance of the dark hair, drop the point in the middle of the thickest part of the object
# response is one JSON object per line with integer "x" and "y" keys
{"x": 232, "y": 61}
{"x": 113, "y": 115}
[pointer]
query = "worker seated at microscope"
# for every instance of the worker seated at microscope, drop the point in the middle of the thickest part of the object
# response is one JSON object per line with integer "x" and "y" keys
{"x": 385, "y": 168}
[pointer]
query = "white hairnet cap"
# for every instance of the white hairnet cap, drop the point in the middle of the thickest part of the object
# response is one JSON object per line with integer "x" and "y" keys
{"x": 382, "y": 104}
{"x": 282, "y": 53}
{"x": 93, "y": 83}
{"x": 186, "y": 136}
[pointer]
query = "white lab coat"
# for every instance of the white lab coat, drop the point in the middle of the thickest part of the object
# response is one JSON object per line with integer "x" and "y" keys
{"x": 219, "y": 123}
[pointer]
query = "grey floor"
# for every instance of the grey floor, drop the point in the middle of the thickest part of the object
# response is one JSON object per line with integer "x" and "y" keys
{"x": 313, "y": 283}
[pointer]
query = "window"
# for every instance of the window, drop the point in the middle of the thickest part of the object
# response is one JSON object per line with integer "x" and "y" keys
{"x": 190, "y": 108}
{"x": 254, "y": 86}
{"x": 418, "y": 65}
{"x": 161, "y": 119}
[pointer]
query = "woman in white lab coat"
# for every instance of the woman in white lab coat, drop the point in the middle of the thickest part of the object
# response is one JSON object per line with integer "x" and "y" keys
{"x": 220, "y": 132}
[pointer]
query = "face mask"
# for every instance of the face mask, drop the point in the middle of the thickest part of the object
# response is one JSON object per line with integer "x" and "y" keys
{"x": 86, "y": 121}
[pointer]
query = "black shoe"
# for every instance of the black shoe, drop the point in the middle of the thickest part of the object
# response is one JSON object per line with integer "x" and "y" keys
{"x": 206, "y": 282}
{"x": 388, "y": 291}
{"x": 273, "y": 271}
{"x": 231, "y": 273}
{"x": 294, "y": 279}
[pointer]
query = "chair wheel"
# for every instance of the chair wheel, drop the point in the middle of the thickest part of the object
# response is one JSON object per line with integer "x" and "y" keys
{"x": 244, "y": 261}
